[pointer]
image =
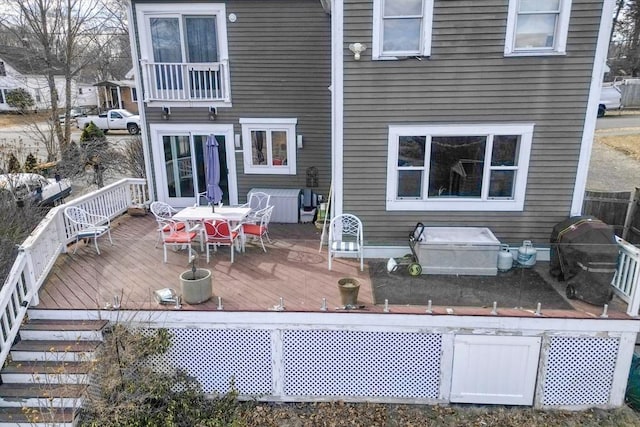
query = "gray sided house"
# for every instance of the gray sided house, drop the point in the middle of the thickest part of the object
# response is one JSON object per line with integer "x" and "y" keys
{"x": 467, "y": 113}
{"x": 446, "y": 112}
{"x": 256, "y": 74}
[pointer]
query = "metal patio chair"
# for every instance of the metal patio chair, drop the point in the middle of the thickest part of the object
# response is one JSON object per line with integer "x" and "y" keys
{"x": 346, "y": 238}
{"x": 87, "y": 226}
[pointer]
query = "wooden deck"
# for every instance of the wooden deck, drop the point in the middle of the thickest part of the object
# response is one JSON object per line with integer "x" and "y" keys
{"x": 292, "y": 269}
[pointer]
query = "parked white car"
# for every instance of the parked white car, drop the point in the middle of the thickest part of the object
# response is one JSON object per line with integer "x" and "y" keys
{"x": 610, "y": 99}
{"x": 35, "y": 188}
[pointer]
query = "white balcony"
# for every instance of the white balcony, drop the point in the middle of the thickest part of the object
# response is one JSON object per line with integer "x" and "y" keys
{"x": 186, "y": 82}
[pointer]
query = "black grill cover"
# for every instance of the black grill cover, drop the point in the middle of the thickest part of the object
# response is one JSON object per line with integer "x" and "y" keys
{"x": 584, "y": 253}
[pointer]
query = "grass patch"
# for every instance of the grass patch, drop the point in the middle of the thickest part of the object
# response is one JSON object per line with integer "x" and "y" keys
{"x": 627, "y": 144}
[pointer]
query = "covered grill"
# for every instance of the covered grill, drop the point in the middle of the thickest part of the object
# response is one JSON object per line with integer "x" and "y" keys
{"x": 584, "y": 253}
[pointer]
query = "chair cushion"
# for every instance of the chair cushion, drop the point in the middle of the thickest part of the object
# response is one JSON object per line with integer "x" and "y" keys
{"x": 253, "y": 229}
{"x": 339, "y": 246}
{"x": 222, "y": 239}
{"x": 179, "y": 227}
{"x": 98, "y": 230}
{"x": 180, "y": 237}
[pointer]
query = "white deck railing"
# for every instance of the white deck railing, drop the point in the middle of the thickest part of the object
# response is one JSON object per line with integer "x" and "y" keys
{"x": 627, "y": 277}
{"x": 166, "y": 81}
{"x": 40, "y": 250}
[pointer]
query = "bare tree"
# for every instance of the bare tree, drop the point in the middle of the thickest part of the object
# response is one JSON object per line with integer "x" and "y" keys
{"x": 624, "y": 50}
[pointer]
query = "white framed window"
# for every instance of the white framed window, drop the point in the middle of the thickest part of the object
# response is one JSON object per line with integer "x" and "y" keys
{"x": 401, "y": 28}
{"x": 184, "y": 53}
{"x": 537, "y": 27}
{"x": 269, "y": 146}
{"x": 470, "y": 167}
{"x": 134, "y": 94}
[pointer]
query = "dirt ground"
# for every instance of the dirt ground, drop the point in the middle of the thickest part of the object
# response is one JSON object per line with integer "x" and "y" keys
{"x": 615, "y": 160}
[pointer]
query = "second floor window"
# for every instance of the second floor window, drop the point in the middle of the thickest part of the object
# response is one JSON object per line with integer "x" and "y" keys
{"x": 190, "y": 39}
{"x": 537, "y": 27}
{"x": 401, "y": 28}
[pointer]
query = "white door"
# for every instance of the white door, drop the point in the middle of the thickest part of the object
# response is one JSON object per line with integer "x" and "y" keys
{"x": 494, "y": 369}
{"x": 180, "y": 155}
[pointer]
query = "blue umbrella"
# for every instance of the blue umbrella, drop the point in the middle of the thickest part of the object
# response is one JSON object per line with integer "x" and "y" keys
{"x": 214, "y": 192}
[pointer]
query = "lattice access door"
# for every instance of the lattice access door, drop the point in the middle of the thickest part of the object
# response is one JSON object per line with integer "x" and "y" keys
{"x": 494, "y": 369}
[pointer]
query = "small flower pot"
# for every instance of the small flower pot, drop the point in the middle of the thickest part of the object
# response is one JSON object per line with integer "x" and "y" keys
{"x": 196, "y": 288}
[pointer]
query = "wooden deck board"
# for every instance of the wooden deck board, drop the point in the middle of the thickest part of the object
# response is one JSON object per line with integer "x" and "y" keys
{"x": 292, "y": 269}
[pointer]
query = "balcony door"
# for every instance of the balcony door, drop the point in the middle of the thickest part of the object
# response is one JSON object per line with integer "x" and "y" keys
{"x": 180, "y": 163}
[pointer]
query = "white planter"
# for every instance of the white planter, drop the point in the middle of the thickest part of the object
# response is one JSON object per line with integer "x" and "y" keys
{"x": 196, "y": 288}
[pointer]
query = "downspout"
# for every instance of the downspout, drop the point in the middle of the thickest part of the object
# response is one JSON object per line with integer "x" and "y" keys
{"x": 337, "y": 106}
{"x": 588, "y": 133}
{"x": 144, "y": 128}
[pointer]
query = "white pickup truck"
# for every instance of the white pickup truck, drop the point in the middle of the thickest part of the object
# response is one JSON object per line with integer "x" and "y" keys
{"x": 112, "y": 120}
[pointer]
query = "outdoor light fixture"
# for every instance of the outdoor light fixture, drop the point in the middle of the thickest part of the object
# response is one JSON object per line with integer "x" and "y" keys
{"x": 166, "y": 112}
{"x": 299, "y": 140}
{"x": 212, "y": 113}
{"x": 357, "y": 49}
{"x": 236, "y": 140}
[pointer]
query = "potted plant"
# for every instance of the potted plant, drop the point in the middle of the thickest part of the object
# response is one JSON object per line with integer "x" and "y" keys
{"x": 195, "y": 283}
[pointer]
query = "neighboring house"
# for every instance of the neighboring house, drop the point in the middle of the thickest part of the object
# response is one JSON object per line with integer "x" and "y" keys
{"x": 86, "y": 96}
{"x": 456, "y": 112}
{"x": 121, "y": 94}
{"x": 19, "y": 70}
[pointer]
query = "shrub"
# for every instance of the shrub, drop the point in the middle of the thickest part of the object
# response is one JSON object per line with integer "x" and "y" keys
{"x": 19, "y": 98}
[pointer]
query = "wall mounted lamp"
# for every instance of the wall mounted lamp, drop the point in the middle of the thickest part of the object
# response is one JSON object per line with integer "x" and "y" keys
{"x": 299, "y": 141}
{"x": 357, "y": 49}
{"x": 212, "y": 113}
{"x": 236, "y": 140}
{"x": 166, "y": 112}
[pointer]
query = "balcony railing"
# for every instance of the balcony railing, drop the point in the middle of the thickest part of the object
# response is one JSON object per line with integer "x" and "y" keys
{"x": 207, "y": 81}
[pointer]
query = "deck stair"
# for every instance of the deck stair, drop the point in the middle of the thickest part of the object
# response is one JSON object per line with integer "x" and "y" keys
{"x": 46, "y": 375}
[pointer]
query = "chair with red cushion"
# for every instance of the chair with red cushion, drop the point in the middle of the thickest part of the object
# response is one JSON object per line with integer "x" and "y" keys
{"x": 173, "y": 236}
{"x": 220, "y": 233}
{"x": 160, "y": 211}
{"x": 261, "y": 229}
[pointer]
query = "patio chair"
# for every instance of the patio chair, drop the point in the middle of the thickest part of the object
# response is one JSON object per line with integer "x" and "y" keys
{"x": 220, "y": 233}
{"x": 87, "y": 226}
{"x": 160, "y": 211}
{"x": 261, "y": 229}
{"x": 346, "y": 238}
{"x": 257, "y": 202}
{"x": 173, "y": 236}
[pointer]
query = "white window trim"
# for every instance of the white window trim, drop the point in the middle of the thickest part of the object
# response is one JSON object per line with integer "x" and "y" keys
{"x": 427, "y": 25}
{"x": 146, "y": 11}
{"x": 525, "y": 130}
{"x": 560, "y": 37}
{"x": 286, "y": 124}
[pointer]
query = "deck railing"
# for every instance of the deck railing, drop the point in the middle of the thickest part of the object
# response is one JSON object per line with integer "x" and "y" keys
{"x": 40, "y": 250}
{"x": 166, "y": 81}
{"x": 627, "y": 277}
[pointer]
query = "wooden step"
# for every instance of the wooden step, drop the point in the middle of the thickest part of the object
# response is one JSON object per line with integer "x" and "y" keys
{"x": 41, "y": 395}
{"x": 69, "y": 330}
{"x": 61, "y": 417}
{"x": 48, "y": 372}
{"x": 54, "y": 350}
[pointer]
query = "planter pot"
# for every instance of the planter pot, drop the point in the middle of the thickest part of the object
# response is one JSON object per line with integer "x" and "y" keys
{"x": 196, "y": 288}
{"x": 349, "y": 288}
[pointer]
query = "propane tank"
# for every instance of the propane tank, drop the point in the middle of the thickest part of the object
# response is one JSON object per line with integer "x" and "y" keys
{"x": 527, "y": 254}
{"x": 505, "y": 259}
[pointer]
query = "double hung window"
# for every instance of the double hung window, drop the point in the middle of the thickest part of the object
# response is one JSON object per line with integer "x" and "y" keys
{"x": 537, "y": 27}
{"x": 401, "y": 28}
{"x": 269, "y": 146}
{"x": 464, "y": 167}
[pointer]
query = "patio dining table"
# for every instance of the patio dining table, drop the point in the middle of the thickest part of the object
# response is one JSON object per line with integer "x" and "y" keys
{"x": 194, "y": 215}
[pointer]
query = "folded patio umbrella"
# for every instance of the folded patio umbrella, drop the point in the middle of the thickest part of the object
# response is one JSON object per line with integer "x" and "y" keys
{"x": 214, "y": 192}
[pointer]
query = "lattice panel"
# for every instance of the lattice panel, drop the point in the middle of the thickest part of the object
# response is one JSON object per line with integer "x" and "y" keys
{"x": 361, "y": 364}
{"x": 214, "y": 356}
{"x": 579, "y": 370}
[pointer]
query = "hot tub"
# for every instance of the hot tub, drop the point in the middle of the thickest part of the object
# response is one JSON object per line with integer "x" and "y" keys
{"x": 458, "y": 250}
